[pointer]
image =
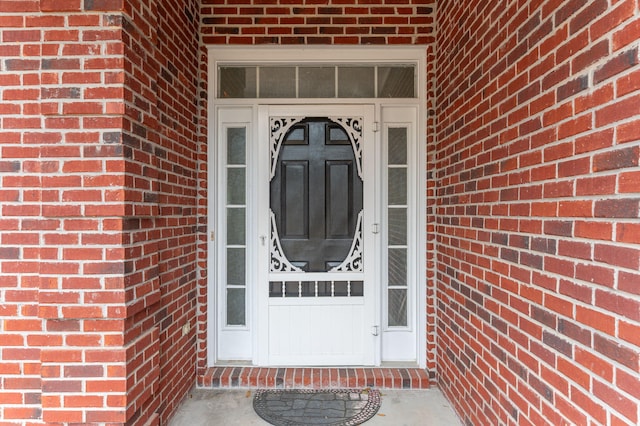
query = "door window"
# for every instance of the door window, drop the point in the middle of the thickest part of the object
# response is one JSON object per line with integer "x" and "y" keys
{"x": 316, "y": 196}
{"x": 316, "y": 201}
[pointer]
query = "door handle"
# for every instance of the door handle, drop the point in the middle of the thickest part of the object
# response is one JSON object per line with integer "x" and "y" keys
{"x": 263, "y": 238}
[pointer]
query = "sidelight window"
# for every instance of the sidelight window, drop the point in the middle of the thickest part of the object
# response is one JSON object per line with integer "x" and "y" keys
{"x": 235, "y": 250}
{"x": 397, "y": 239}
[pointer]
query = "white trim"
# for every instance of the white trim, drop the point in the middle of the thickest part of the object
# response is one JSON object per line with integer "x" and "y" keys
{"x": 315, "y": 54}
{"x": 263, "y": 261}
{"x": 236, "y": 337}
{"x": 212, "y": 218}
{"x": 399, "y": 340}
{"x": 309, "y": 55}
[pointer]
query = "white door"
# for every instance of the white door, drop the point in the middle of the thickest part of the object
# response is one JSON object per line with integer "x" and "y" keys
{"x": 318, "y": 292}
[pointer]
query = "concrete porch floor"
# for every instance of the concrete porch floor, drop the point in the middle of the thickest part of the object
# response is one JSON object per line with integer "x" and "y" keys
{"x": 234, "y": 407}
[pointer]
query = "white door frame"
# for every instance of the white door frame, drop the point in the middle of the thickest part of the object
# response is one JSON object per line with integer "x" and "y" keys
{"x": 271, "y": 55}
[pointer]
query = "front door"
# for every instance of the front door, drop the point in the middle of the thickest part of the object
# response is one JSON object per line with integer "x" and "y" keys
{"x": 317, "y": 281}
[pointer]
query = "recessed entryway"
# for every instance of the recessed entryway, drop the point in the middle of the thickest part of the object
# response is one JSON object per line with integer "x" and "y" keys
{"x": 316, "y": 252}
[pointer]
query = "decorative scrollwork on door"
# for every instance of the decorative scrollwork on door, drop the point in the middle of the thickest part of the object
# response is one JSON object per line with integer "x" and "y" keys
{"x": 279, "y": 128}
{"x": 353, "y": 127}
{"x": 278, "y": 261}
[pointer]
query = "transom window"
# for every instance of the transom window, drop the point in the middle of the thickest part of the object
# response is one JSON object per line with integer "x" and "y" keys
{"x": 317, "y": 81}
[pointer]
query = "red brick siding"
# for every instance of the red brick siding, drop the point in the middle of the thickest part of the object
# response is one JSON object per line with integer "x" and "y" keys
{"x": 180, "y": 108}
{"x": 317, "y": 22}
{"x": 61, "y": 257}
{"x": 538, "y": 197}
{"x": 99, "y": 220}
{"x": 161, "y": 136}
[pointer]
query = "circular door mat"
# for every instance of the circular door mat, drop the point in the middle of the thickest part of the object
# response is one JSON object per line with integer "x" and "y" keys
{"x": 335, "y": 407}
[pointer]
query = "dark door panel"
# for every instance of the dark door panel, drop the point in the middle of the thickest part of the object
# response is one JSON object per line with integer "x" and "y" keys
{"x": 339, "y": 203}
{"x": 295, "y": 199}
{"x": 316, "y": 195}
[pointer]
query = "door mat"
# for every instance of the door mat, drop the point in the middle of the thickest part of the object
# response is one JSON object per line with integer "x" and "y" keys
{"x": 335, "y": 407}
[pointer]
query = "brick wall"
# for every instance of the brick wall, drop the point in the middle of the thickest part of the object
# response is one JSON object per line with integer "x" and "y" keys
{"x": 293, "y": 22}
{"x": 99, "y": 151}
{"x": 162, "y": 134}
{"x": 61, "y": 255}
{"x": 538, "y": 195}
